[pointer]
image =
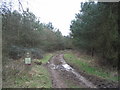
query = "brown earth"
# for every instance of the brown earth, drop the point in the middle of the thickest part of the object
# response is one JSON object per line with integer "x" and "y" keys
{"x": 99, "y": 82}
{"x": 63, "y": 76}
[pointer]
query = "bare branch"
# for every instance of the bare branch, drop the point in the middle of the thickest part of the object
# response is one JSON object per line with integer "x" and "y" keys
{"x": 21, "y": 5}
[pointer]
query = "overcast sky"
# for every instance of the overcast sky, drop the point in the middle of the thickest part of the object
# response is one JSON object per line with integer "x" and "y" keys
{"x": 59, "y": 12}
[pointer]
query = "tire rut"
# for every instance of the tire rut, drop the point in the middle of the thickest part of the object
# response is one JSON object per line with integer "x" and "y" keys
{"x": 61, "y": 72}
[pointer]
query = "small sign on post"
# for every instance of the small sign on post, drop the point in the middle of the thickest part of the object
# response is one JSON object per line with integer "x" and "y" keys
{"x": 28, "y": 59}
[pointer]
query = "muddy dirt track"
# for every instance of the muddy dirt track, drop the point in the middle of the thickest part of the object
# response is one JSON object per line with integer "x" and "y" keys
{"x": 61, "y": 72}
{"x": 63, "y": 75}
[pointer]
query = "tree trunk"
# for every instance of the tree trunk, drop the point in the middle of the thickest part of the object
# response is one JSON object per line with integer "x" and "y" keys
{"x": 92, "y": 52}
{"x": 103, "y": 54}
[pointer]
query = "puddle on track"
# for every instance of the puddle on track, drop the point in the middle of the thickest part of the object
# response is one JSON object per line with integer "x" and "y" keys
{"x": 64, "y": 66}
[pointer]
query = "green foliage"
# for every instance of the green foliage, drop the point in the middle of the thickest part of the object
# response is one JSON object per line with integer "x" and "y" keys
{"x": 95, "y": 30}
{"x": 50, "y": 26}
{"x": 39, "y": 78}
{"x": 26, "y": 31}
{"x": 45, "y": 59}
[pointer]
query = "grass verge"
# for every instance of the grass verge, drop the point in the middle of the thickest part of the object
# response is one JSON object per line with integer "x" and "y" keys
{"x": 37, "y": 77}
{"x": 45, "y": 59}
{"x": 85, "y": 66}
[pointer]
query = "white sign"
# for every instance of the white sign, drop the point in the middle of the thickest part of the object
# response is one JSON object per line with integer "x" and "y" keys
{"x": 27, "y": 60}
